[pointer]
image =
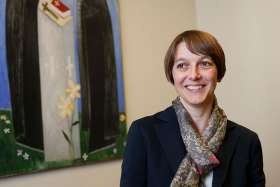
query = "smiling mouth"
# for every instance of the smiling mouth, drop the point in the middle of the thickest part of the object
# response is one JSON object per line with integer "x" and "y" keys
{"x": 194, "y": 87}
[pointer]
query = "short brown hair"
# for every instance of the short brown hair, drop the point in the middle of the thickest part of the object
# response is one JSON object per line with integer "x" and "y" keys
{"x": 200, "y": 43}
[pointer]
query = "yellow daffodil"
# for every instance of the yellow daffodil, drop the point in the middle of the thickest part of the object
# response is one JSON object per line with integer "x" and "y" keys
{"x": 66, "y": 107}
{"x": 73, "y": 90}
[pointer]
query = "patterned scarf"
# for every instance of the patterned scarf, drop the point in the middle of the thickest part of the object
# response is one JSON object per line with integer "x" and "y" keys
{"x": 201, "y": 148}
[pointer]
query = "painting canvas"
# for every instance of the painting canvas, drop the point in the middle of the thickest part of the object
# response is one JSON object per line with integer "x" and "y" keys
{"x": 61, "y": 85}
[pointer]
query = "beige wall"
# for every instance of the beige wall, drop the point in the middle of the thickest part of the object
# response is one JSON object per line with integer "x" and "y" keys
{"x": 147, "y": 27}
{"x": 250, "y": 92}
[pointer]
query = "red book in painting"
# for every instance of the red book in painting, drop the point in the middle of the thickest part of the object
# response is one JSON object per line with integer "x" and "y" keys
{"x": 58, "y": 7}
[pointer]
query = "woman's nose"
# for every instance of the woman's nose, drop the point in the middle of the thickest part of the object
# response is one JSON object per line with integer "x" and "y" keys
{"x": 194, "y": 74}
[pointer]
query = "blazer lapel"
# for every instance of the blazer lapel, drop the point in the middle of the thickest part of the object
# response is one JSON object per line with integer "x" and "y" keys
{"x": 225, "y": 155}
{"x": 169, "y": 135}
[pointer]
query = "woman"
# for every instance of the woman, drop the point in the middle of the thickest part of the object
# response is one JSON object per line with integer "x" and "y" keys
{"x": 192, "y": 143}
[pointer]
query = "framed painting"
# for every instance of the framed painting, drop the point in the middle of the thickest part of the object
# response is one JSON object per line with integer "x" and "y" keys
{"x": 61, "y": 85}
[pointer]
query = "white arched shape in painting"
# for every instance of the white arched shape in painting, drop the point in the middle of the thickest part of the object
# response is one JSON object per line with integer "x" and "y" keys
{"x": 59, "y": 88}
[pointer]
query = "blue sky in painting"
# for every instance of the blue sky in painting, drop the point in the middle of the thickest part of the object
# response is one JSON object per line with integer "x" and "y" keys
{"x": 4, "y": 87}
{"x": 114, "y": 12}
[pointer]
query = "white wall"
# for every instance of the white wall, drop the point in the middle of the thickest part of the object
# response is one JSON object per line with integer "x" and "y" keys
{"x": 249, "y": 33}
{"x": 147, "y": 27}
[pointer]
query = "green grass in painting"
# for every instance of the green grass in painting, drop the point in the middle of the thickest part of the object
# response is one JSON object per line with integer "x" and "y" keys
{"x": 7, "y": 152}
{"x": 16, "y": 158}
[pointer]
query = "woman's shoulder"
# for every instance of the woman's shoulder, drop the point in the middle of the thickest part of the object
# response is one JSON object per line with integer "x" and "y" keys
{"x": 152, "y": 120}
{"x": 236, "y": 129}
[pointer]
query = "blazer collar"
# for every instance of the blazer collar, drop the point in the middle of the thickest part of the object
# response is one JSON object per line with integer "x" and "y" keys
{"x": 169, "y": 135}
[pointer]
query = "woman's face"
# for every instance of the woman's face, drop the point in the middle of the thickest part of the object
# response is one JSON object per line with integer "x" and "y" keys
{"x": 195, "y": 77}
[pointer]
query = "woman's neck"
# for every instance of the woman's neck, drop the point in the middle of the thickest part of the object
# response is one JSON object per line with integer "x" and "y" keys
{"x": 199, "y": 114}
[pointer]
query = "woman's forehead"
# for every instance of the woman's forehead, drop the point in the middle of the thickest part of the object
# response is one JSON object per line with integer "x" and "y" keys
{"x": 183, "y": 53}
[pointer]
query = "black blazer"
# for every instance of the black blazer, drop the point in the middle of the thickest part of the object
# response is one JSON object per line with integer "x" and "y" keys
{"x": 155, "y": 149}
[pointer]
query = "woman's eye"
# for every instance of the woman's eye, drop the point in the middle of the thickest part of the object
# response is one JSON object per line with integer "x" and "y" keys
{"x": 182, "y": 66}
{"x": 206, "y": 64}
